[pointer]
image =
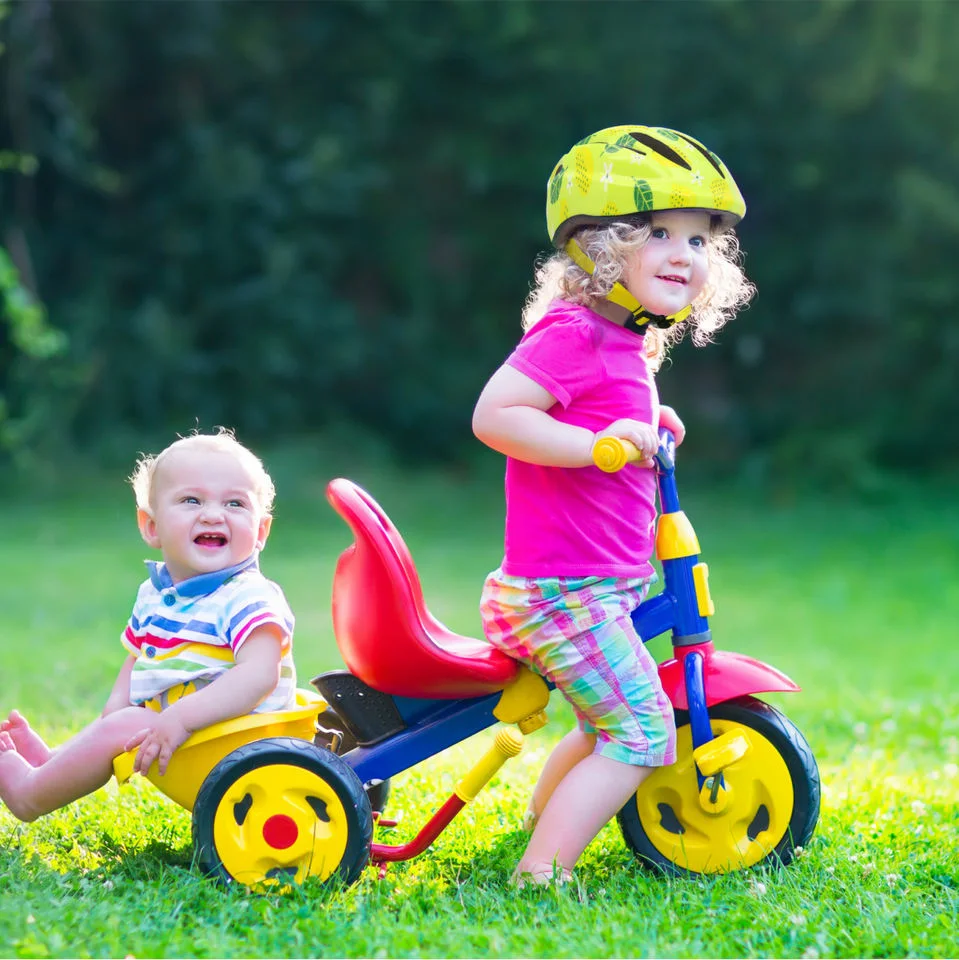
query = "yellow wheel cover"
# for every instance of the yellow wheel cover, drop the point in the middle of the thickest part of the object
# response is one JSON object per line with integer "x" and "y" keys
{"x": 749, "y": 827}
{"x": 279, "y": 824}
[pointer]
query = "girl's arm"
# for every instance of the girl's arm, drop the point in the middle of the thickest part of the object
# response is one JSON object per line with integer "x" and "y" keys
{"x": 235, "y": 693}
{"x": 120, "y": 694}
{"x": 511, "y": 417}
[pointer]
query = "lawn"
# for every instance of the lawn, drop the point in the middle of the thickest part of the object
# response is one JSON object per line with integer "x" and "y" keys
{"x": 857, "y": 602}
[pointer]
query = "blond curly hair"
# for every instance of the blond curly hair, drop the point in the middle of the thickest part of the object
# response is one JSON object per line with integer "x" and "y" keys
{"x": 610, "y": 246}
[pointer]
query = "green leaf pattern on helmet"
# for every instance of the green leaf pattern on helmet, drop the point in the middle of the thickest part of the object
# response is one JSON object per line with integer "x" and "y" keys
{"x": 625, "y": 170}
{"x": 642, "y": 196}
{"x": 556, "y": 184}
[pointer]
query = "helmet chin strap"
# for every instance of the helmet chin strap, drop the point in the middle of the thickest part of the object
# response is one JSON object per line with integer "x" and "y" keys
{"x": 639, "y": 317}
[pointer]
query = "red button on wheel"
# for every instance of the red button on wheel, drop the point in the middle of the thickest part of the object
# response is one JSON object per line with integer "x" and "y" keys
{"x": 280, "y": 831}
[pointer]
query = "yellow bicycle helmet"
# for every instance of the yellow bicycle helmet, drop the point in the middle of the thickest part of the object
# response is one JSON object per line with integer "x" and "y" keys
{"x": 622, "y": 171}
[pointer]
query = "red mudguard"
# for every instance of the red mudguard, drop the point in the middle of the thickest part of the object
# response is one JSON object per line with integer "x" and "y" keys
{"x": 725, "y": 675}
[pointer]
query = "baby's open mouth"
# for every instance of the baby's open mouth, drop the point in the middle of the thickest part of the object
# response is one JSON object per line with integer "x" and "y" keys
{"x": 210, "y": 540}
{"x": 672, "y": 278}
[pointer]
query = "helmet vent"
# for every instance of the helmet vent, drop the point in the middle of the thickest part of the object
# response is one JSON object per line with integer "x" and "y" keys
{"x": 664, "y": 150}
{"x": 705, "y": 153}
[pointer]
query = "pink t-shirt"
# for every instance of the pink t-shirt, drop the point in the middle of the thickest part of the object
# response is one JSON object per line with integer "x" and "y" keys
{"x": 572, "y": 522}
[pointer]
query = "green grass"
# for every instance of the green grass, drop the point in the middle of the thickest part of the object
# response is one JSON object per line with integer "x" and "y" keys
{"x": 859, "y": 604}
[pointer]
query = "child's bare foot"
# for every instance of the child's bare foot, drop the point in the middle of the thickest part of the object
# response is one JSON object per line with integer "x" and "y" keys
{"x": 541, "y": 875}
{"x": 13, "y": 771}
{"x": 28, "y": 743}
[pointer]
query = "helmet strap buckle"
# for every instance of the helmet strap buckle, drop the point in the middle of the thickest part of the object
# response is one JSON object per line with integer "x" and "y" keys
{"x": 640, "y": 319}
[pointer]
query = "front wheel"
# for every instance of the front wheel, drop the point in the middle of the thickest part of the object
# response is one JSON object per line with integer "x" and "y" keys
{"x": 773, "y": 799}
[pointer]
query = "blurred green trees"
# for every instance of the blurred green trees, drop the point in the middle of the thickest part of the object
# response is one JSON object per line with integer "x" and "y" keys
{"x": 27, "y": 337}
{"x": 281, "y": 215}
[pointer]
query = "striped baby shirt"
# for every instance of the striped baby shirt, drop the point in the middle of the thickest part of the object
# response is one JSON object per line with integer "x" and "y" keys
{"x": 185, "y": 635}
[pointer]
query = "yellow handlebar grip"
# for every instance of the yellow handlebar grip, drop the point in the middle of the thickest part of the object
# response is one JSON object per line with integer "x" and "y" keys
{"x": 611, "y": 454}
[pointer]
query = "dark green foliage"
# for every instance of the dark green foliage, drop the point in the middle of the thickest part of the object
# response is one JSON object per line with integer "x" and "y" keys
{"x": 284, "y": 216}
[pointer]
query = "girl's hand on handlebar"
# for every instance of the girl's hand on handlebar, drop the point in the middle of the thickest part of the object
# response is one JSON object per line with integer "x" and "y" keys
{"x": 669, "y": 419}
{"x": 643, "y": 436}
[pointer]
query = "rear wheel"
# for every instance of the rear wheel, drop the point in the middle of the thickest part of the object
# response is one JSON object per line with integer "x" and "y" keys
{"x": 280, "y": 810}
{"x": 773, "y": 798}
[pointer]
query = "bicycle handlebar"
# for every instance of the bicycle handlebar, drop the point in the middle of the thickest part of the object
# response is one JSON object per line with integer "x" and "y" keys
{"x": 611, "y": 454}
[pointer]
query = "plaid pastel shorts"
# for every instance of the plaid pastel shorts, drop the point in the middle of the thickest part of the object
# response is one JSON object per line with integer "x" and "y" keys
{"x": 577, "y": 632}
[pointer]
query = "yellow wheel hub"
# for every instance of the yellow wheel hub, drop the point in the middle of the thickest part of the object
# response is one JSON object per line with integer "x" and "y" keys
{"x": 751, "y": 822}
{"x": 279, "y": 824}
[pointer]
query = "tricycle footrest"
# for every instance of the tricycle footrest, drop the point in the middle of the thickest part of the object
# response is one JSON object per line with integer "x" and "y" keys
{"x": 368, "y": 714}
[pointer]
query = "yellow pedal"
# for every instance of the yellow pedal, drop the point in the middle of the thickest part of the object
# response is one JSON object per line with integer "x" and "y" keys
{"x": 715, "y": 756}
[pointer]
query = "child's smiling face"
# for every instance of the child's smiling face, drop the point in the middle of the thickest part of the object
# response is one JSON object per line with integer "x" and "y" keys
{"x": 671, "y": 270}
{"x": 205, "y": 512}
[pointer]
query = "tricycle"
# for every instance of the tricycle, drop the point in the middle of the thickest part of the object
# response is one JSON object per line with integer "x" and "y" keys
{"x": 277, "y": 798}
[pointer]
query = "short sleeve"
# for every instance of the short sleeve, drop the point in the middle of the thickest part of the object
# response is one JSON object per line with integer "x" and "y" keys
{"x": 558, "y": 354}
{"x": 132, "y": 636}
{"x": 256, "y": 602}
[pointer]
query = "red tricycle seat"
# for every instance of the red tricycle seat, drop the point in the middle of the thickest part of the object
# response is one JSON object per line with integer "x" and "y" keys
{"x": 386, "y": 634}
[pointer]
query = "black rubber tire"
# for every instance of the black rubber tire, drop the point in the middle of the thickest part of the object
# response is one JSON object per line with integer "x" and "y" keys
{"x": 335, "y": 775}
{"x": 333, "y": 732}
{"x": 795, "y": 752}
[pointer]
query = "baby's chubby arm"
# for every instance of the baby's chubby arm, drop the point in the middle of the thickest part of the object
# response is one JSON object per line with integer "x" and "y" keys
{"x": 120, "y": 694}
{"x": 510, "y": 416}
{"x": 233, "y": 694}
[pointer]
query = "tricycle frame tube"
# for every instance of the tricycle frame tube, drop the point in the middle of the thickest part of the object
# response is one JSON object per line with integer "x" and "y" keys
{"x": 442, "y": 724}
{"x": 654, "y": 616}
{"x": 387, "y": 853}
{"x": 696, "y": 699}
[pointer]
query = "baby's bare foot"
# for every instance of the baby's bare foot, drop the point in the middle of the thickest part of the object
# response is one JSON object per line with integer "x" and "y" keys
{"x": 13, "y": 771}
{"x": 29, "y": 744}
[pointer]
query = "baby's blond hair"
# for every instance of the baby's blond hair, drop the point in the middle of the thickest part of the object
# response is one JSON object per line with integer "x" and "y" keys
{"x": 223, "y": 441}
{"x": 610, "y": 246}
